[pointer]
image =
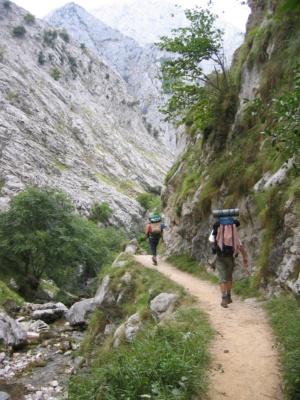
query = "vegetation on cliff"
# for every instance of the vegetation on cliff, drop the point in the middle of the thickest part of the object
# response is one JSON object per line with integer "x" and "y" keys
{"x": 229, "y": 154}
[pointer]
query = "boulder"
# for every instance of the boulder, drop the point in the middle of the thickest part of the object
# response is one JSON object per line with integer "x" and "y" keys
{"x": 80, "y": 312}
{"x": 128, "y": 330}
{"x": 4, "y": 396}
{"x": 49, "y": 312}
{"x": 106, "y": 300}
{"x": 163, "y": 305}
{"x": 11, "y": 333}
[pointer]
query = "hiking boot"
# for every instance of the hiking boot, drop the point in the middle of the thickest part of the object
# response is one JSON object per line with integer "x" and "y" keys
{"x": 229, "y": 299}
{"x": 224, "y": 302}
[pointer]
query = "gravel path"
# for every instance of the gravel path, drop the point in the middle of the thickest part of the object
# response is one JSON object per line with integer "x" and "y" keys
{"x": 245, "y": 363}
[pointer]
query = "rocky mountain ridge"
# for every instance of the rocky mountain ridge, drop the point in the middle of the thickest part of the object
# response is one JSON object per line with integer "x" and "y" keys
{"x": 68, "y": 121}
{"x": 124, "y": 33}
{"x": 138, "y": 65}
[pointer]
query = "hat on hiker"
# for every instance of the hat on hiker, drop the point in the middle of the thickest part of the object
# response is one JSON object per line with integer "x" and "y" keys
{"x": 155, "y": 218}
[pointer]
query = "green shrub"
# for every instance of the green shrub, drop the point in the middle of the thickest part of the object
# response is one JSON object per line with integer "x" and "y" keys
{"x": 41, "y": 58}
{"x": 65, "y": 36}
{"x": 72, "y": 62}
{"x": 19, "y": 31}
{"x": 101, "y": 212}
{"x": 11, "y": 95}
{"x": 8, "y": 294}
{"x": 49, "y": 37}
{"x": 55, "y": 73}
{"x": 150, "y": 202}
{"x": 29, "y": 18}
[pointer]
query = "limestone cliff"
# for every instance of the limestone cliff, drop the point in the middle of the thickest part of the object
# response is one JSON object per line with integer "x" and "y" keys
{"x": 67, "y": 120}
{"x": 235, "y": 166}
{"x": 138, "y": 65}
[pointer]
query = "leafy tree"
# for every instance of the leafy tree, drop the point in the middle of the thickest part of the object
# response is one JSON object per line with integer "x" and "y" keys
{"x": 101, "y": 212}
{"x": 41, "y": 235}
{"x": 183, "y": 75}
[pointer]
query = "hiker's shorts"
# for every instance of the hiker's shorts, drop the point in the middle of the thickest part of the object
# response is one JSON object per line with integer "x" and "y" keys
{"x": 153, "y": 245}
{"x": 225, "y": 267}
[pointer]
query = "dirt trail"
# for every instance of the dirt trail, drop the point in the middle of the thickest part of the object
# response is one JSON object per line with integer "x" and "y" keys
{"x": 245, "y": 361}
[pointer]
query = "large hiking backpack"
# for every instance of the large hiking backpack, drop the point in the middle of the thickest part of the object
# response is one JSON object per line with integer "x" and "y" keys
{"x": 155, "y": 227}
{"x": 225, "y": 250}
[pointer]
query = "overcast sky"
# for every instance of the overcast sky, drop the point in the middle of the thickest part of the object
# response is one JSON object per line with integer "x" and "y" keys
{"x": 229, "y": 10}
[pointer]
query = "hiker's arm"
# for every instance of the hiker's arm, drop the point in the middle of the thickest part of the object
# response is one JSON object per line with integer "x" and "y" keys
{"x": 242, "y": 250}
{"x": 212, "y": 238}
{"x": 146, "y": 233}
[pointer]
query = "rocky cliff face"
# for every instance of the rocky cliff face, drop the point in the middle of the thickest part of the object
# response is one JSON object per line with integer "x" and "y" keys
{"x": 67, "y": 120}
{"x": 124, "y": 34}
{"x": 138, "y": 65}
{"x": 188, "y": 231}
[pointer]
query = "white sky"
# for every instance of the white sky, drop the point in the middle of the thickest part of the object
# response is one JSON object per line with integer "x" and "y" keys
{"x": 229, "y": 10}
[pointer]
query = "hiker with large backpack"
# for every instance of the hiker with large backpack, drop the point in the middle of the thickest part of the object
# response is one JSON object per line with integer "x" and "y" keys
{"x": 154, "y": 232}
{"x": 226, "y": 245}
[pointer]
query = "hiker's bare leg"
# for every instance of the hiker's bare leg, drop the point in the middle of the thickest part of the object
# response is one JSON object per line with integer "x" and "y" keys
{"x": 223, "y": 287}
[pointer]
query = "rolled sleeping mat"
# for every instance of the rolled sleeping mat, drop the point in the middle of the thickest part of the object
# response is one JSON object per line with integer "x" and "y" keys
{"x": 231, "y": 212}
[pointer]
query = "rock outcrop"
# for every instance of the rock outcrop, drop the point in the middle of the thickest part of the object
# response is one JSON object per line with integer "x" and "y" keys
{"x": 11, "y": 333}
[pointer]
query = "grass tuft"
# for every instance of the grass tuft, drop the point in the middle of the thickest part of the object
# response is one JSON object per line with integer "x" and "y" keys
{"x": 189, "y": 264}
{"x": 284, "y": 315}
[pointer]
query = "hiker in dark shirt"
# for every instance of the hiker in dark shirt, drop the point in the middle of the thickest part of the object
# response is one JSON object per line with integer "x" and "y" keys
{"x": 154, "y": 232}
{"x": 225, "y": 256}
